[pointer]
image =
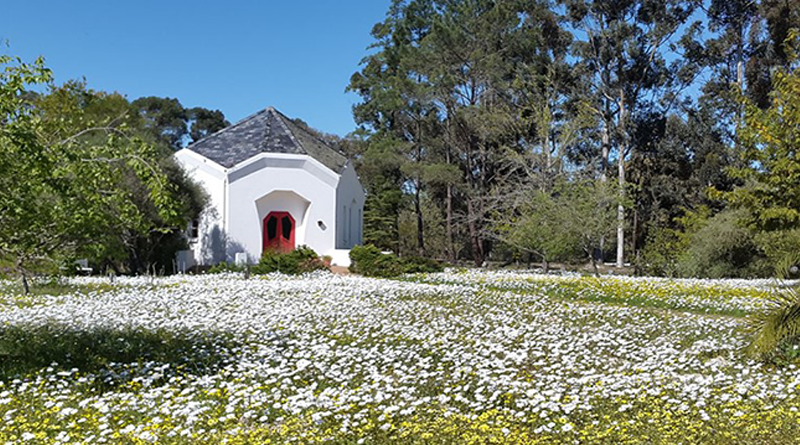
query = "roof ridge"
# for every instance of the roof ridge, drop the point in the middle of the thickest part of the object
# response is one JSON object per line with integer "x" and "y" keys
{"x": 309, "y": 133}
{"x": 281, "y": 118}
{"x": 230, "y": 127}
{"x": 268, "y": 131}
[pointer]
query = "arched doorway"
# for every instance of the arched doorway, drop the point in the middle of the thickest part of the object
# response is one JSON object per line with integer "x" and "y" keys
{"x": 279, "y": 232}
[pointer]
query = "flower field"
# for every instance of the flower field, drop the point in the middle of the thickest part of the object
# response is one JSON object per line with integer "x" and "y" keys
{"x": 458, "y": 357}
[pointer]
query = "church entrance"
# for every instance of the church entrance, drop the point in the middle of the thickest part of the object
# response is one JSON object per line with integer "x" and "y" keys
{"x": 279, "y": 232}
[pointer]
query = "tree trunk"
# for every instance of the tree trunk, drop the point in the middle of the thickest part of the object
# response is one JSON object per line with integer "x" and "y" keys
{"x": 417, "y": 187}
{"x": 451, "y": 255}
{"x": 25, "y": 284}
{"x": 484, "y": 175}
{"x": 420, "y": 224}
{"x": 603, "y": 177}
{"x": 621, "y": 177}
{"x": 621, "y": 218}
{"x": 594, "y": 265}
{"x": 740, "y": 84}
{"x": 604, "y": 151}
{"x": 134, "y": 263}
{"x": 740, "y": 58}
{"x": 477, "y": 249}
{"x": 548, "y": 162}
{"x": 635, "y": 230}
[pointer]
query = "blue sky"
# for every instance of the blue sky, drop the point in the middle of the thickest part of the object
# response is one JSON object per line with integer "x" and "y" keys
{"x": 235, "y": 56}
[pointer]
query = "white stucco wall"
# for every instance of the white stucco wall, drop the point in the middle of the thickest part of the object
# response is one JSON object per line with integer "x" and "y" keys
{"x": 327, "y": 207}
{"x": 209, "y": 247}
{"x": 350, "y": 199}
{"x": 270, "y": 182}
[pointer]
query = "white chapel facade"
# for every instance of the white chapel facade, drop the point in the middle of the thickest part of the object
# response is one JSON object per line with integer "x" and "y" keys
{"x": 272, "y": 185}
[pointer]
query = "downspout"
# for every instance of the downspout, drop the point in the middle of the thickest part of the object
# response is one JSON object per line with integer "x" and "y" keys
{"x": 225, "y": 209}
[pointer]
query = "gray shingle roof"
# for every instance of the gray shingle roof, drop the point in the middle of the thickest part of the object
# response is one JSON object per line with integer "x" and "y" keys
{"x": 267, "y": 131}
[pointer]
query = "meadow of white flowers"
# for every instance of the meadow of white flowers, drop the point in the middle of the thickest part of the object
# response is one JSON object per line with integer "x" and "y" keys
{"x": 457, "y": 357}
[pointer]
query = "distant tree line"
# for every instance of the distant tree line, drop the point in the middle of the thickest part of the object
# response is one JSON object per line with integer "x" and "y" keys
{"x": 660, "y": 133}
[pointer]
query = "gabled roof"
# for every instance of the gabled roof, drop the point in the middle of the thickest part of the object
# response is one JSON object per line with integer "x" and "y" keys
{"x": 267, "y": 131}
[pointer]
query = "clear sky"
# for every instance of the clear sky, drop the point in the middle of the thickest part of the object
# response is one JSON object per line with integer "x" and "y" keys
{"x": 235, "y": 56}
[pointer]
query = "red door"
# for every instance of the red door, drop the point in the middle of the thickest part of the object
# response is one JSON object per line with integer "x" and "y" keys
{"x": 279, "y": 232}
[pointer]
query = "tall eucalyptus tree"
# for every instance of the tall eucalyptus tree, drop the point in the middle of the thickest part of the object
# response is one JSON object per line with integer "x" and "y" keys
{"x": 621, "y": 46}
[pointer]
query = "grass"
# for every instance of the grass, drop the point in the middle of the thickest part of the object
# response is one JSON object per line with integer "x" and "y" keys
{"x": 108, "y": 353}
{"x": 702, "y": 300}
{"x": 50, "y": 287}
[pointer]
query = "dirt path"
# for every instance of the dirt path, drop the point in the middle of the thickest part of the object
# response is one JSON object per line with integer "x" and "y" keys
{"x": 339, "y": 270}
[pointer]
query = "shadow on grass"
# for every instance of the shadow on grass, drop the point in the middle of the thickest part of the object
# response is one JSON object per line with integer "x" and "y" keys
{"x": 112, "y": 357}
{"x": 53, "y": 287}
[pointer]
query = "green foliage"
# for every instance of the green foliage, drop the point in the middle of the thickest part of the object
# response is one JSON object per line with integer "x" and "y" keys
{"x": 380, "y": 169}
{"x": 167, "y": 122}
{"x": 434, "y": 229}
{"x": 724, "y": 247}
{"x": 439, "y": 120}
{"x": 226, "y": 268}
{"x": 205, "y": 122}
{"x": 780, "y": 248}
{"x": 564, "y": 224}
{"x": 82, "y": 178}
{"x": 662, "y": 252}
{"x": 164, "y": 117}
{"x": 776, "y": 331}
{"x": 536, "y": 228}
{"x": 771, "y": 166}
{"x": 584, "y": 88}
{"x": 300, "y": 260}
{"x": 369, "y": 261}
{"x": 718, "y": 246}
{"x": 417, "y": 264}
{"x": 666, "y": 247}
{"x": 674, "y": 164}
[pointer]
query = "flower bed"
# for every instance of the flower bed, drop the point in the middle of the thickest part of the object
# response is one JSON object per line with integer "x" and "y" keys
{"x": 457, "y": 357}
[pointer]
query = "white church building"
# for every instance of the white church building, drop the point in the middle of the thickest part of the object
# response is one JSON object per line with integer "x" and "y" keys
{"x": 272, "y": 185}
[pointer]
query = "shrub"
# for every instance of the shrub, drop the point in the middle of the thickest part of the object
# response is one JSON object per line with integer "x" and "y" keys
{"x": 298, "y": 261}
{"x": 723, "y": 248}
{"x": 662, "y": 252}
{"x": 781, "y": 247}
{"x": 718, "y": 246}
{"x": 415, "y": 264}
{"x": 225, "y": 268}
{"x": 370, "y": 261}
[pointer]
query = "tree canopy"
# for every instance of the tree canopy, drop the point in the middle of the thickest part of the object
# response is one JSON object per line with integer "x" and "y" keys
{"x": 467, "y": 106}
{"x": 88, "y": 174}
